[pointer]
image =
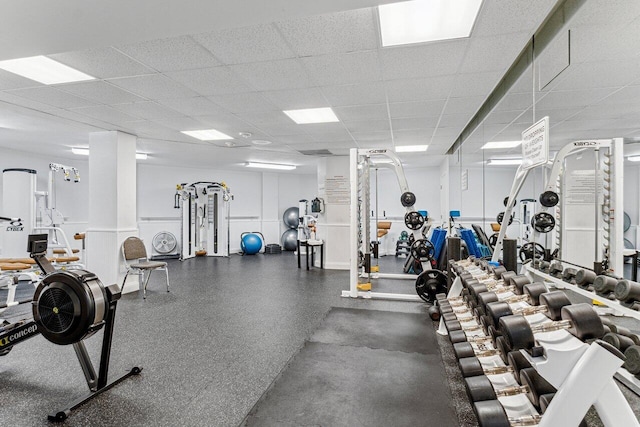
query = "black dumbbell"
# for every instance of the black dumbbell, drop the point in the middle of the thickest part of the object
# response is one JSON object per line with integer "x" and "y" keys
{"x": 544, "y": 266}
{"x": 619, "y": 341}
{"x": 556, "y": 269}
{"x": 604, "y": 285}
{"x": 551, "y": 304}
{"x": 584, "y": 278}
{"x": 480, "y": 388}
{"x": 491, "y": 413}
{"x": 580, "y": 320}
{"x": 536, "y": 385}
{"x": 472, "y": 367}
{"x": 517, "y": 361}
{"x": 632, "y": 359}
{"x": 569, "y": 275}
{"x": 627, "y": 292}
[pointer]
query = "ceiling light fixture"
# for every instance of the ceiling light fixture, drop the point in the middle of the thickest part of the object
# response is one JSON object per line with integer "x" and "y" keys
{"x": 500, "y": 144}
{"x": 269, "y": 166}
{"x": 44, "y": 70}
{"x": 504, "y": 162}
{"x": 85, "y": 152}
{"x": 207, "y": 134}
{"x": 420, "y": 21}
{"x": 411, "y": 148}
{"x": 312, "y": 115}
{"x": 634, "y": 158}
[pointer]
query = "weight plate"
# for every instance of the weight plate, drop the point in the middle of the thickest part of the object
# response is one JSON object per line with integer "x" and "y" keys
{"x": 408, "y": 199}
{"x": 549, "y": 199}
{"x": 531, "y": 250}
{"x": 627, "y": 222}
{"x": 430, "y": 283}
{"x": 413, "y": 220}
{"x": 500, "y": 218}
{"x": 543, "y": 222}
{"x": 632, "y": 362}
{"x": 423, "y": 250}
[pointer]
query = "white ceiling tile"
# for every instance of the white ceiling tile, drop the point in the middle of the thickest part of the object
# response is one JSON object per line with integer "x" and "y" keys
{"x": 590, "y": 75}
{"x": 344, "y": 68}
{"x": 370, "y": 137}
{"x": 573, "y": 98}
{"x": 416, "y": 108}
{"x": 503, "y": 117}
{"x": 448, "y": 131}
{"x": 105, "y": 113}
{"x": 409, "y": 123}
{"x": 425, "y": 60}
{"x": 475, "y": 84}
{"x": 195, "y": 106}
{"x": 291, "y": 99}
{"x": 102, "y": 63}
{"x": 500, "y": 17}
{"x": 339, "y": 32}
{"x": 274, "y": 117}
{"x": 515, "y": 101}
{"x": 180, "y": 123}
{"x": 147, "y": 110}
{"x": 596, "y": 12}
{"x": 10, "y": 99}
{"x": 243, "y": 102}
{"x": 355, "y": 94}
{"x": 101, "y": 92}
{"x": 412, "y": 137}
{"x": 605, "y": 42}
{"x": 293, "y": 139}
{"x": 362, "y": 112}
{"x": 211, "y": 81}
{"x": 323, "y": 128}
{"x": 338, "y": 135}
{"x": 367, "y": 125}
{"x": 248, "y": 44}
{"x": 287, "y": 129}
{"x": 419, "y": 89}
{"x": 229, "y": 124}
{"x": 147, "y": 128}
{"x": 493, "y": 53}
{"x": 464, "y": 105}
{"x": 172, "y": 54}
{"x": 154, "y": 87}
{"x": 13, "y": 81}
{"x": 454, "y": 120}
{"x": 51, "y": 96}
{"x": 274, "y": 75}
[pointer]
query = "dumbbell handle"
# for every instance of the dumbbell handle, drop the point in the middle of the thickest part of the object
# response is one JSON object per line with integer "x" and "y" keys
{"x": 509, "y": 300}
{"x": 525, "y": 311}
{"x": 499, "y": 289}
{"x": 551, "y": 326}
{"x": 512, "y": 390}
{"x": 528, "y": 420}
{"x": 497, "y": 370}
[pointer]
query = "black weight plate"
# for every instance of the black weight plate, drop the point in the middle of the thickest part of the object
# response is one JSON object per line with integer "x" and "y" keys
{"x": 413, "y": 220}
{"x": 632, "y": 362}
{"x": 479, "y": 388}
{"x": 500, "y": 218}
{"x": 429, "y": 283}
{"x": 470, "y": 367}
{"x": 534, "y": 290}
{"x": 457, "y": 336}
{"x": 554, "y": 301}
{"x": 491, "y": 413}
{"x": 408, "y": 199}
{"x": 549, "y": 199}
{"x": 543, "y": 222}
{"x": 506, "y": 200}
{"x": 463, "y": 349}
{"x": 423, "y": 250}
{"x": 586, "y": 323}
{"x": 518, "y": 362}
{"x": 516, "y": 332}
{"x": 496, "y": 310}
{"x": 537, "y": 385}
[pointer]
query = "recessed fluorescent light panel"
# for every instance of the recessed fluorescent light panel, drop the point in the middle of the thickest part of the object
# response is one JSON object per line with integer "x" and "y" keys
{"x": 634, "y": 158}
{"x": 44, "y": 70}
{"x": 500, "y": 144}
{"x": 85, "y": 152}
{"x": 411, "y": 148}
{"x": 312, "y": 115}
{"x": 420, "y": 21}
{"x": 269, "y": 166}
{"x": 504, "y": 162}
{"x": 207, "y": 134}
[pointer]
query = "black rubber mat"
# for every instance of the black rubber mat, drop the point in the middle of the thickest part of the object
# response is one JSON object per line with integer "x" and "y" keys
{"x": 375, "y": 380}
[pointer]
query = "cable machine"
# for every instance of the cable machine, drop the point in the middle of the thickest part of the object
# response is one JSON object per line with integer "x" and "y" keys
{"x": 205, "y": 218}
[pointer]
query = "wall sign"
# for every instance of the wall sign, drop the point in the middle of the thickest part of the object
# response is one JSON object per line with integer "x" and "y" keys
{"x": 337, "y": 190}
{"x": 535, "y": 144}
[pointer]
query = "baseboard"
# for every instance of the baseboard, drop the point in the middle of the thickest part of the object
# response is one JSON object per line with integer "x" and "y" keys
{"x": 336, "y": 265}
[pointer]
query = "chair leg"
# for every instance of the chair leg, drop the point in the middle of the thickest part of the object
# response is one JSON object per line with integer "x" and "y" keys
{"x": 146, "y": 282}
{"x": 125, "y": 279}
{"x": 166, "y": 271}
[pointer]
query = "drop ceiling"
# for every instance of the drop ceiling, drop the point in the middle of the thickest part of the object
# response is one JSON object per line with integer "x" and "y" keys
{"x": 237, "y": 77}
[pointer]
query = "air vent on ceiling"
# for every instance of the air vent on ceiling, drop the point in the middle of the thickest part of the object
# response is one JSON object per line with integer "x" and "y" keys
{"x": 323, "y": 152}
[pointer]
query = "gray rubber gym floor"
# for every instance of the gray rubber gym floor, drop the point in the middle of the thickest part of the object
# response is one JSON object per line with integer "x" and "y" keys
{"x": 233, "y": 329}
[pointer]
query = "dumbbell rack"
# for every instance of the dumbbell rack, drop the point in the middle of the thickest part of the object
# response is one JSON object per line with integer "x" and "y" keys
{"x": 582, "y": 373}
{"x": 614, "y": 307}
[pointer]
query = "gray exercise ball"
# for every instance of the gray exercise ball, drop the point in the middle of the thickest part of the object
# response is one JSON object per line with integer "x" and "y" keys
{"x": 289, "y": 239}
{"x": 290, "y": 217}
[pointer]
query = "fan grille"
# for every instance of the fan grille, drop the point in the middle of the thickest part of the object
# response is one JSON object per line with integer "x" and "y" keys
{"x": 56, "y": 310}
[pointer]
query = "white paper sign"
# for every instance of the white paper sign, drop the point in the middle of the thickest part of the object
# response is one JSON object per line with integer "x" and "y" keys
{"x": 535, "y": 144}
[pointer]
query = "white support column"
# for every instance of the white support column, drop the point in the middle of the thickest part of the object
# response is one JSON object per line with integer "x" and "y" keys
{"x": 444, "y": 191}
{"x": 333, "y": 223}
{"x": 270, "y": 217}
{"x": 112, "y": 204}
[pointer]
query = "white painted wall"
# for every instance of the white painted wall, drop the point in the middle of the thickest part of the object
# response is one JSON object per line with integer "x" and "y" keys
{"x": 632, "y": 200}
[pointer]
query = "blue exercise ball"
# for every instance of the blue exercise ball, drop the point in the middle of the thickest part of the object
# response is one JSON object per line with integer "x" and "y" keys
{"x": 289, "y": 239}
{"x": 290, "y": 217}
{"x": 251, "y": 243}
